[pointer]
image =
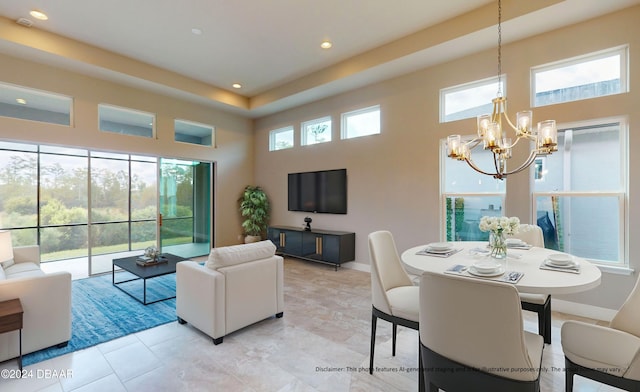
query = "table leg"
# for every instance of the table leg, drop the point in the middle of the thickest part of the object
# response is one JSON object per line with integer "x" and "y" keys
{"x": 20, "y": 357}
{"x": 144, "y": 291}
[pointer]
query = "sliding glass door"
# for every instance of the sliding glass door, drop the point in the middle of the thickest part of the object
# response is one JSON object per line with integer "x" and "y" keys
{"x": 185, "y": 207}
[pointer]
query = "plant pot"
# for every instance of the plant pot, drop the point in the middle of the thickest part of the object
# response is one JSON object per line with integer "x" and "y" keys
{"x": 252, "y": 238}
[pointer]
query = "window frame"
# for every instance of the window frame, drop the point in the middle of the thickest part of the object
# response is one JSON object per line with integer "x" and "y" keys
{"x": 344, "y": 117}
{"x": 126, "y": 111}
{"x": 272, "y": 137}
{"x": 202, "y": 126}
{"x": 47, "y": 103}
{"x": 623, "y": 265}
{"x": 305, "y": 124}
{"x": 622, "y": 51}
{"x": 470, "y": 86}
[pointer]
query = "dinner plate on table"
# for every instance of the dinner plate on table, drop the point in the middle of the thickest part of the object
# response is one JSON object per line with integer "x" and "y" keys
{"x": 439, "y": 247}
{"x": 487, "y": 274}
{"x": 551, "y": 263}
{"x": 560, "y": 259}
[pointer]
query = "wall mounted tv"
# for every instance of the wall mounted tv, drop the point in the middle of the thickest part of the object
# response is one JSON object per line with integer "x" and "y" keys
{"x": 320, "y": 191}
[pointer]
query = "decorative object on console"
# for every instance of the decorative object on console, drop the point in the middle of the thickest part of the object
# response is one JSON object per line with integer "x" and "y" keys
{"x": 255, "y": 208}
{"x": 308, "y": 221}
{"x": 498, "y": 227}
{"x": 492, "y": 136}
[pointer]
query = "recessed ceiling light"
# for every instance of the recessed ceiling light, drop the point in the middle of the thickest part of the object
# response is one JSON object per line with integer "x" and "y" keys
{"x": 38, "y": 15}
{"x": 196, "y": 31}
{"x": 326, "y": 44}
{"x": 236, "y": 85}
{"x": 21, "y": 101}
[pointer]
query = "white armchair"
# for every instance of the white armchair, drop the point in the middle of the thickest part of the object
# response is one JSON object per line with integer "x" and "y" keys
{"x": 238, "y": 286}
{"x": 45, "y": 299}
{"x": 610, "y": 355}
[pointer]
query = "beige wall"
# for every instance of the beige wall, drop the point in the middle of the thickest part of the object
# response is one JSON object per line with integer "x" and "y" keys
{"x": 233, "y": 156}
{"x": 393, "y": 178}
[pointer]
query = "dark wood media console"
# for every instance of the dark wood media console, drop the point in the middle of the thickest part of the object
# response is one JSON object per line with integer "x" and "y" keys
{"x": 325, "y": 246}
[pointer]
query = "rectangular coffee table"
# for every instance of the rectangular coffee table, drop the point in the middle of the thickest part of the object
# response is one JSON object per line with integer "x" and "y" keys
{"x": 148, "y": 272}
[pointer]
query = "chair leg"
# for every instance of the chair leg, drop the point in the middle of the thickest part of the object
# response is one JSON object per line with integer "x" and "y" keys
{"x": 374, "y": 321}
{"x": 546, "y": 333}
{"x": 393, "y": 346}
{"x": 568, "y": 379}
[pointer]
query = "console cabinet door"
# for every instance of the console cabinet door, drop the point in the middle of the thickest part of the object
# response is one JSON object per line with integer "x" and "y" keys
{"x": 273, "y": 234}
{"x": 331, "y": 248}
{"x": 292, "y": 242}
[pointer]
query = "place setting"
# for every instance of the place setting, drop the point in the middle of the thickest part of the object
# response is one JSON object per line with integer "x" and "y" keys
{"x": 560, "y": 262}
{"x": 439, "y": 249}
{"x": 516, "y": 243}
{"x": 486, "y": 269}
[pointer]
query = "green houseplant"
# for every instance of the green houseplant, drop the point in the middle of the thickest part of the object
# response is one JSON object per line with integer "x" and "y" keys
{"x": 255, "y": 209}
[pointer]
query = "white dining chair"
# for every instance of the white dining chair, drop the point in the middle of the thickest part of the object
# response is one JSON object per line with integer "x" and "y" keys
{"x": 393, "y": 294}
{"x": 610, "y": 355}
{"x": 472, "y": 336}
{"x": 538, "y": 303}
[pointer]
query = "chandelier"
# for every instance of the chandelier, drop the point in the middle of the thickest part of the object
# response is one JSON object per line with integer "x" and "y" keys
{"x": 492, "y": 136}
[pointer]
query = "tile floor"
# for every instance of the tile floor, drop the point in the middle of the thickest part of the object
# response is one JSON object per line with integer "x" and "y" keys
{"x": 321, "y": 344}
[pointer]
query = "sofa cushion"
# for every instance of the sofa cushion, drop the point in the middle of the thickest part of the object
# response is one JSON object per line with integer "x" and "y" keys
{"x": 23, "y": 269}
{"x": 237, "y": 254}
{"x": 2, "y": 277}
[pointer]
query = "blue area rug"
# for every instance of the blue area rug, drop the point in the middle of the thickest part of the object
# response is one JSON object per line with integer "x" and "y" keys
{"x": 101, "y": 312}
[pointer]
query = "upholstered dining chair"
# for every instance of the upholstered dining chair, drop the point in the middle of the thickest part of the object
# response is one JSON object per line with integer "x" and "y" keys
{"x": 472, "y": 336}
{"x": 538, "y": 303}
{"x": 393, "y": 294}
{"x": 609, "y": 355}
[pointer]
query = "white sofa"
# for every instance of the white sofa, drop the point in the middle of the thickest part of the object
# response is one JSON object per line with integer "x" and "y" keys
{"x": 46, "y": 303}
{"x": 238, "y": 286}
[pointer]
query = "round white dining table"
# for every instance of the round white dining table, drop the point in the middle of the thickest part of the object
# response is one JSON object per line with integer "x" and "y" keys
{"x": 534, "y": 280}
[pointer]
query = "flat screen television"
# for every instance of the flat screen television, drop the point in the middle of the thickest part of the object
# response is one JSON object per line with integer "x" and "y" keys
{"x": 319, "y": 191}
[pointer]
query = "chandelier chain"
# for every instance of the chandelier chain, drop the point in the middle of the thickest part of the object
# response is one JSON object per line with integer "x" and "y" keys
{"x": 499, "y": 48}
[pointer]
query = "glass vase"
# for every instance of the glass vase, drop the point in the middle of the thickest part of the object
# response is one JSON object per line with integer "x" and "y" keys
{"x": 498, "y": 245}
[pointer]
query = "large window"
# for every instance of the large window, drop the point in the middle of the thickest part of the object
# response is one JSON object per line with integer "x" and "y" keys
{"x": 316, "y": 131}
{"x": 77, "y": 203}
{"x": 593, "y": 75}
{"x": 580, "y": 194}
{"x": 361, "y": 122}
{"x": 467, "y": 196}
{"x": 469, "y": 100}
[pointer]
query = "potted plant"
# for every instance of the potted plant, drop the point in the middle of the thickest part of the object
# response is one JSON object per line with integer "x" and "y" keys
{"x": 255, "y": 208}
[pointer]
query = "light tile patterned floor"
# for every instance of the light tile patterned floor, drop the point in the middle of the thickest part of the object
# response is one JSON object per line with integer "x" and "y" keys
{"x": 321, "y": 344}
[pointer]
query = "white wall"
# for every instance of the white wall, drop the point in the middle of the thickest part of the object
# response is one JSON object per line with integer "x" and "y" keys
{"x": 234, "y": 138}
{"x": 393, "y": 178}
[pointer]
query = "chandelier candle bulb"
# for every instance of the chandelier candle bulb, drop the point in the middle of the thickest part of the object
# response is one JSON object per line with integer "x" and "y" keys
{"x": 453, "y": 146}
{"x": 484, "y": 121}
{"x": 492, "y": 135}
{"x": 547, "y": 133}
{"x": 524, "y": 119}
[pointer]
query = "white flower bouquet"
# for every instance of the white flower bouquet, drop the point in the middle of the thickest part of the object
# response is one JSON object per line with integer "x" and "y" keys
{"x": 500, "y": 224}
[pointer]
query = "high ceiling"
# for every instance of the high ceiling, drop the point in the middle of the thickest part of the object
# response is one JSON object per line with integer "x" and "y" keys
{"x": 271, "y": 47}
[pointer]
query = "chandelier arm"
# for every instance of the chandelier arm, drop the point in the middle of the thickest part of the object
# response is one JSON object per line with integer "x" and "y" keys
{"x": 532, "y": 157}
{"x": 476, "y": 168}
